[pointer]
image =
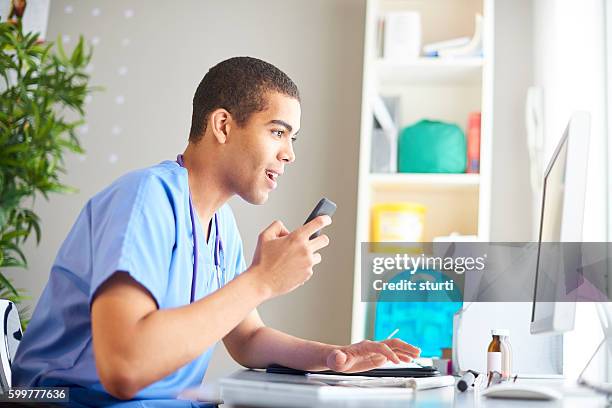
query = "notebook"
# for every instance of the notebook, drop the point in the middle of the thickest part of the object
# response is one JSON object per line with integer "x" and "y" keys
{"x": 388, "y": 370}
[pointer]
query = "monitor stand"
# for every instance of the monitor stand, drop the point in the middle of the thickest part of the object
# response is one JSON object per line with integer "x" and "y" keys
{"x": 604, "y": 312}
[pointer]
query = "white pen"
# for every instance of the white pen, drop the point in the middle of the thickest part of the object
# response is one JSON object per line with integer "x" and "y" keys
{"x": 393, "y": 333}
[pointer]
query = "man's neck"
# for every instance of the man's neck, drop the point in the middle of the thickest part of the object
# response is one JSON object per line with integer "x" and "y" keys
{"x": 208, "y": 190}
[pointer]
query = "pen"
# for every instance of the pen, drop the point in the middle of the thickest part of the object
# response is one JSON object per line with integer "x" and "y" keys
{"x": 393, "y": 333}
{"x": 467, "y": 380}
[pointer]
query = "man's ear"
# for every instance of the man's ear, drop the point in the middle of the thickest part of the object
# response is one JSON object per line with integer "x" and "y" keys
{"x": 220, "y": 120}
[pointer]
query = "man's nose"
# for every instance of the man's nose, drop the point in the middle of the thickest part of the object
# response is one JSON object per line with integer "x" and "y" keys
{"x": 286, "y": 154}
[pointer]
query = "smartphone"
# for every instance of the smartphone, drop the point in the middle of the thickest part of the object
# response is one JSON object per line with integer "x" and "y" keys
{"x": 323, "y": 207}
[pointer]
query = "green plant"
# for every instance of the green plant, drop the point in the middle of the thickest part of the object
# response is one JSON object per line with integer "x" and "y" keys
{"x": 42, "y": 95}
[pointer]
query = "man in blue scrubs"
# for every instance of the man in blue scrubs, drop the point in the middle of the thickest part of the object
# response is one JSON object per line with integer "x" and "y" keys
{"x": 124, "y": 316}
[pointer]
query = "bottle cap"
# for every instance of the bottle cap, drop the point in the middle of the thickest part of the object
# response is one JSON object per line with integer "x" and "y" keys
{"x": 474, "y": 120}
{"x": 500, "y": 332}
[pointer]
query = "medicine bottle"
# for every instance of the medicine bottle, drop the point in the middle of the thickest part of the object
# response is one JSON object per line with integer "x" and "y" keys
{"x": 494, "y": 353}
{"x": 506, "y": 348}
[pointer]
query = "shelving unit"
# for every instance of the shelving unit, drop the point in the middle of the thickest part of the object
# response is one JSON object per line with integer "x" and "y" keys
{"x": 424, "y": 181}
{"x": 430, "y": 71}
{"x": 428, "y": 88}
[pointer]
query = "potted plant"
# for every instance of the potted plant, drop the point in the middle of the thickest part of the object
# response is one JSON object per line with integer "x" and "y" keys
{"x": 42, "y": 97}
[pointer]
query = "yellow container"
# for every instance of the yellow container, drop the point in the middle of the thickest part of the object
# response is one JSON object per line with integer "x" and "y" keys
{"x": 397, "y": 222}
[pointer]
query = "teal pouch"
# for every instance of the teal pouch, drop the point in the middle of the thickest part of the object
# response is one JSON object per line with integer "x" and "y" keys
{"x": 432, "y": 147}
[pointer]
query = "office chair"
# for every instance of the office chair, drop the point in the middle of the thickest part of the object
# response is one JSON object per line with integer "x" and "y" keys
{"x": 11, "y": 330}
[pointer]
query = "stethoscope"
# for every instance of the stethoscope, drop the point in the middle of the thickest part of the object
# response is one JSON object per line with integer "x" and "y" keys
{"x": 218, "y": 243}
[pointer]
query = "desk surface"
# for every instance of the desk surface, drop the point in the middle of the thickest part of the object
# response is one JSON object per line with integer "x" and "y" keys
{"x": 235, "y": 397}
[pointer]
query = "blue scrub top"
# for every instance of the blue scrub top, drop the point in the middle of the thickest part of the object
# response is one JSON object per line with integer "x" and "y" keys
{"x": 140, "y": 224}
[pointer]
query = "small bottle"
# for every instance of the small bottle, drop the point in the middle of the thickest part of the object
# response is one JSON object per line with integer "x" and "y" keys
{"x": 473, "y": 143}
{"x": 506, "y": 355}
{"x": 494, "y": 353}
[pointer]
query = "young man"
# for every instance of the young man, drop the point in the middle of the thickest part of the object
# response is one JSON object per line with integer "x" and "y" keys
{"x": 127, "y": 311}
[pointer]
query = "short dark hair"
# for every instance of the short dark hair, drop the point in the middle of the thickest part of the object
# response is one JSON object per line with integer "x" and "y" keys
{"x": 240, "y": 86}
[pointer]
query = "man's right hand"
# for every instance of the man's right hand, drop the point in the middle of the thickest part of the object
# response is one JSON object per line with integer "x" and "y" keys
{"x": 284, "y": 260}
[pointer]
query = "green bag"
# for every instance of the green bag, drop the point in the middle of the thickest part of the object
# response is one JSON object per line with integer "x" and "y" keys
{"x": 432, "y": 147}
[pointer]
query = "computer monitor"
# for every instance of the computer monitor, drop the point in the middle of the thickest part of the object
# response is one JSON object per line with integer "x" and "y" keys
{"x": 562, "y": 215}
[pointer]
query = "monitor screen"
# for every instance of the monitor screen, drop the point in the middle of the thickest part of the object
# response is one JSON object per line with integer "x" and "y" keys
{"x": 559, "y": 250}
{"x": 548, "y": 264}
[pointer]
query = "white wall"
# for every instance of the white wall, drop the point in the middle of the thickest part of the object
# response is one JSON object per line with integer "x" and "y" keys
{"x": 511, "y": 218}
{"x": 569, "y": 66}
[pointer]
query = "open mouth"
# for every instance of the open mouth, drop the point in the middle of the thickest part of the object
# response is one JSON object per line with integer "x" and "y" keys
{"x": 271, "y": 175}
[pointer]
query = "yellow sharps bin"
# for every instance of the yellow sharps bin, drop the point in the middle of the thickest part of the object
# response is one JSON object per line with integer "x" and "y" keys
{"x": 397, "y": 222}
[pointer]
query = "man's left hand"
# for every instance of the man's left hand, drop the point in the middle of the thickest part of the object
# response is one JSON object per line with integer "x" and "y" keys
{"x": 367, "y": 355}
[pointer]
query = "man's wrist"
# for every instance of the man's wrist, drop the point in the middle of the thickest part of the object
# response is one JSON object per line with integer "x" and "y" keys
{"x": 326, "y": 350}
{"x": 261, "y": 290}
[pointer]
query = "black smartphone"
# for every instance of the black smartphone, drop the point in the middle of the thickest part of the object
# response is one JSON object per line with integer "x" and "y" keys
{"x": 323, "y": 207}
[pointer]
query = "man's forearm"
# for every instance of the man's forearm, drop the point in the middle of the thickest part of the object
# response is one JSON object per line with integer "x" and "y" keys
{"x": 269, "y": 346}
{"x": 167, "y": 339}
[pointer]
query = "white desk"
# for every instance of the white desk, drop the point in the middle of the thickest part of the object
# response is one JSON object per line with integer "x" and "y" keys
{"x": 440, "y": 397}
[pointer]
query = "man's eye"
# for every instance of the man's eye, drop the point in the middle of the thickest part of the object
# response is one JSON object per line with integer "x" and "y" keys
{"x": 293, "y": 139}
{"x": 278, "y": 133}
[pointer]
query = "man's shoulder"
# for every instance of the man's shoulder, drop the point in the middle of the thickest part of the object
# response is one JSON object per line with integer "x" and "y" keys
{"x": 163, "y": 178}
{"x": 165, "y": 173}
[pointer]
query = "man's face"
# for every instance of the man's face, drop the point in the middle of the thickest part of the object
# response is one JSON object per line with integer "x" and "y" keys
{"x": 261, "y": 148}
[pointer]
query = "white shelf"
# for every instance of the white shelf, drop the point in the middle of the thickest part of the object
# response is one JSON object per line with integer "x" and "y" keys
{"x": 424, "y": 181}
{"x": 430, "y": 71}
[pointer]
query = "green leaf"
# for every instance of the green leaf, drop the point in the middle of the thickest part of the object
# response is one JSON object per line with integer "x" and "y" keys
{"x": 16, "y": 249}
{"x": 77, "y": 54}
{"x": 60, "y": 50}
{"x": 13, "y": 234}
{"x": 7, "y": 284}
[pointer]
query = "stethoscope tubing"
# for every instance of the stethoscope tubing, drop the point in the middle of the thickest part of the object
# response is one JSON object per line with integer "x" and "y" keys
{"x": 218, "y": 243}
